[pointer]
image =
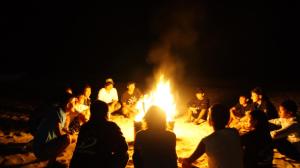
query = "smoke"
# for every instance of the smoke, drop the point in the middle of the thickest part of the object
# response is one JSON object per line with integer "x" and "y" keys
{"x": 175, "y": 27}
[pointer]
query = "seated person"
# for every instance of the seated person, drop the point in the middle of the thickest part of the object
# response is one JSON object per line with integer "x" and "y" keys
{"x": 155, "y": 147}
{"x": 52, "y": 137}
{"x": 198, "y": 107}
{"x": 109, "y": 95}
{"x": 223, "y": 146}
{"x": 261, "y": 102}
{"x": 129, "y": 100}
{"x": 100, "y": 142}
{"x": 239, "y": 110}
{"x": 287, "y": 138}
{"x": 87, "y": 91}
{"x": 257, "y": 142}
{"x": 82, "y": 110}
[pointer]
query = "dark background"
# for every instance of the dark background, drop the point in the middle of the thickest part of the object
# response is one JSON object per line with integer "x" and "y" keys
{"x": 241, "y": 44}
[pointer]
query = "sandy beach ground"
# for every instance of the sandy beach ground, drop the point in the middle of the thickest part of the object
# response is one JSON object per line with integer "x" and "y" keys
{"x": 14, "y": 135}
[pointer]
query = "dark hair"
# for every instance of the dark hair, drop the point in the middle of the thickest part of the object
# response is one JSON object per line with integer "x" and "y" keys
{"x": 257, "y": 90}
{"x": 290, "y": 106}
{"x": 155, "y": 118}
{"x": 129, "y": 83}
{"x": 99, "y": 110}
{"x": 64, "y": 98}
{"x": 261, "y": 119}
{"x": 219, "y": 114}
{"x": 87, "y": 86}
{"x": 108, "y": 83}
{"x": 200, "y": 90}
{"x": 84, "y": 88}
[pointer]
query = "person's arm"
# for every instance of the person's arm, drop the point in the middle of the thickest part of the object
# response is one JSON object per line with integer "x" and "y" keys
{"x": 115, "y": 95}
{"x": 232, "y": 110}
{"x": 174, "y": 155}
{"x": 284, "y": 132}
{"x": 201, "y": 114}
{"x": 200, "y": 150}
{"x": 136, "y": 157}
{"x": 101, "y": 95}
{"x": 120, "y": 147}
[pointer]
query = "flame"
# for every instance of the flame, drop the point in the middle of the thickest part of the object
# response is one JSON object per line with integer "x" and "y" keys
{"x": 160, "y": 97}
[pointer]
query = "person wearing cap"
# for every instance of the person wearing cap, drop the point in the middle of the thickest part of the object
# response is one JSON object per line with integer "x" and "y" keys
{"x": 109, "y": 95}
{"x": 198, "y": 107}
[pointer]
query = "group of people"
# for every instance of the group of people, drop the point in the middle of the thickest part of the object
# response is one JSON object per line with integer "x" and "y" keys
{"x": 53, "y": 125}
{"x": 109, "y": 95}
{"x": 261, "y": 128}
{"x": 244, "y": 135}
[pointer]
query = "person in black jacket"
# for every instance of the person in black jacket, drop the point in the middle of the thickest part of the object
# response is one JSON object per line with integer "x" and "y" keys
{"x": 262, "y": 102}
{"x": 257, "y": 143}
{"x": 100, "y": 142}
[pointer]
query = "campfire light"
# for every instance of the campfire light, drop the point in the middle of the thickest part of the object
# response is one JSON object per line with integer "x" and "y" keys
{"x": 161, "y": 97}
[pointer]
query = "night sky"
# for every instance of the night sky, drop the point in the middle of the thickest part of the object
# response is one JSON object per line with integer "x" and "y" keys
{"x": 125, "y": 40}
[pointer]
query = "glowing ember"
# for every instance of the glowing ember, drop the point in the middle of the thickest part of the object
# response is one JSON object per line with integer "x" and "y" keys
{"x": 161, "y": 97}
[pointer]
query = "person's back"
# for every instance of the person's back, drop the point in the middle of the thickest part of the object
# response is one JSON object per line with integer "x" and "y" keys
{"x": 223, "y": 149}
{"x": 100, "y": 142}
{"x": 257, "y": 143}
{"x": 156, "y": 148}
{"x": 223, "y": 146}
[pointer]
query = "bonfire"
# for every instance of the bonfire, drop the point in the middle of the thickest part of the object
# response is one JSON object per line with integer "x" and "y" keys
{"x": 162, "y": 97}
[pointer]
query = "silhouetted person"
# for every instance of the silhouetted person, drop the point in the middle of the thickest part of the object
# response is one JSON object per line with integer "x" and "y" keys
{"x": 223, "y": 146}
{"x": 155, "y": 146}
{"x": 51, "y": 137}
{"x": 100, "y": 142}
{"x": 261, "y": 102}
{"x": 287, "y": 138}
{"x": 257, "y": 143}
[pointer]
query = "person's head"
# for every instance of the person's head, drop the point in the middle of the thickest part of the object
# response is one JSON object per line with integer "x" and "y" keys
{"x": 130, "y": 86}
{"x": 218, "y": 116}
{"x": 80, "y": 99}
{"x": 99, "y": 110}
{"x": 287, "y": 109}
{"x": 67, "y": 101}
{"x": 109, "y": 84}
{"x": 200, "y": 94}
{"x": 155, "y": 118}
{"x": 243, "y": 99}
{"x": 258, "y": 119}
{"x": 256, "y": 94}
{"x": 87, "y": 91}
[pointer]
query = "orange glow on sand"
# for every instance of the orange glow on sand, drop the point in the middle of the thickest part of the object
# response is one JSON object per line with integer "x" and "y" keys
{"x": 161, "y": 96}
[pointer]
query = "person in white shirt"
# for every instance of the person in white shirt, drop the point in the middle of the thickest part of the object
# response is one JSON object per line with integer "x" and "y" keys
{"x": 223, "y": 146}
{"x": 109, "y": 95}
{"x": 287, "y": 138}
